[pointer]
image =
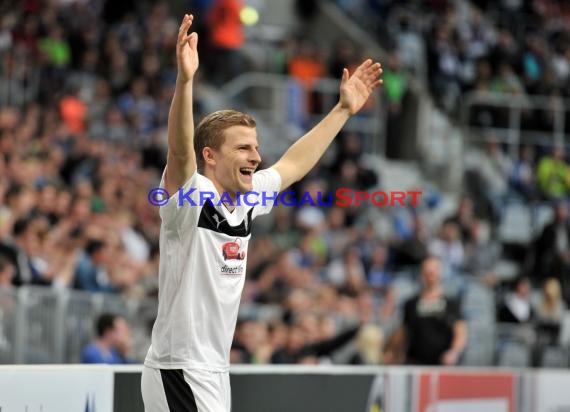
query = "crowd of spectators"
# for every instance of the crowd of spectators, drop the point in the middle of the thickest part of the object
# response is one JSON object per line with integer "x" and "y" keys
{"x": 514, "y": 47}
{"x": 516, "y": 50}
{"x": 77, "y": 161}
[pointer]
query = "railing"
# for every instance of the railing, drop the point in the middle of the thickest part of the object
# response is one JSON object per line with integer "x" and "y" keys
{"x": 516, "y": 119}
{"x": 41, "y": 325}
{"x": 44, "y": 325}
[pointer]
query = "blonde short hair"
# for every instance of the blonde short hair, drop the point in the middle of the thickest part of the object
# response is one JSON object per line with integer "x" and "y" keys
{"x": 210, "y": 131}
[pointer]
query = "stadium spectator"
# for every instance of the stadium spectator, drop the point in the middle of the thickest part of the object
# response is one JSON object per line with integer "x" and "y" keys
{"x": 140, "y": 109}
{"x": 395, "y": 84}
{"x": 552, "y": 175}
{"x": 412, "y": 250}
{"x": 443, "y": 60}
{"x": 481, "y": 253}
{"x": 388, "y": 312}
{"x": 449, "y": 249}
{"x": 73, "y": 112}
{"x": 506, "y": 81}
{"x": 92, "y": 270}
{"x": 487, "y": 179}
{"x": 350, "y": 149}
{"x": 433, "y": 330}
{"x": 7, "y": 300}
{"x": 523, "y": 176}
{"x": 516, "y": 306}
{"x": 251, "y": 343}
{"x": 22, "y": 249}
{"x": 335, "y": 233}
{"x": 550, "y": 312}
{"x": 113, "y": 341}
{"x": 226, "y": 39}
{"x": 409, "y": 43}
{"x": 306, "y": 10}
{"x": 346, "y": 270}
{"x": 7, "y": 273}
{"x": 552, "y": 248}
{"x": 464, "y": 218}
{"x": 369, "y": 346}
{"x": 378, "y": 274}
{"x": 345, "y": 56}
{"x": 307, "y": 65}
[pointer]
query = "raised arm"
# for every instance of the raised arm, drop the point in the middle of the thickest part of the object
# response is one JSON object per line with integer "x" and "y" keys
{"x": 304, "y": 154}
{"x": 181, "y": 161}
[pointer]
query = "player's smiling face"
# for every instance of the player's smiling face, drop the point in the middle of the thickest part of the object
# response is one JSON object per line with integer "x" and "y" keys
{"x": 237, "y": 160}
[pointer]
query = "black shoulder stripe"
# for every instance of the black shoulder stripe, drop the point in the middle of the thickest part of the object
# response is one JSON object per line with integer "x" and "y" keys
{"x": 211, "y": 219}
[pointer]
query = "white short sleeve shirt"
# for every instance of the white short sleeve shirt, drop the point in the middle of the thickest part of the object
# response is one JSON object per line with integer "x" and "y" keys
{"x": 203, "y": 258}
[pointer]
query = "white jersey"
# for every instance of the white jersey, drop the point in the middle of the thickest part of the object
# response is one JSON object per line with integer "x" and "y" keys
{"x": 203, "y": 257}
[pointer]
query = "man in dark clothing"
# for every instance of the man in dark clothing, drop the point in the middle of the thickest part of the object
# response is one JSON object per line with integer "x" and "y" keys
{"x": 516, "y": 306}
{"x": 17, "y": 250}
{"x": 433, "y": 327}
{"x": 552, "y": 256}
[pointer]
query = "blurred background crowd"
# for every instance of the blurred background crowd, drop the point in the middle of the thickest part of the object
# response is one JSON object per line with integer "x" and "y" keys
{"x": 85, "y": 90}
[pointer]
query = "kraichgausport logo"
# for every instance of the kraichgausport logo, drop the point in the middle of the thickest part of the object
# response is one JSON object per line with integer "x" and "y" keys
{"x": 343, "y": 197}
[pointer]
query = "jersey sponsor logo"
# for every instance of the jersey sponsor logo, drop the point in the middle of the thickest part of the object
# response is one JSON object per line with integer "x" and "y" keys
{"x": 231, "y": 270}
{"x": 233, "y": 250}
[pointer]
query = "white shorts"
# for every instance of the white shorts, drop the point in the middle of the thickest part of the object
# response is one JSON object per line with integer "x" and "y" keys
{"x": 182, "y": 390}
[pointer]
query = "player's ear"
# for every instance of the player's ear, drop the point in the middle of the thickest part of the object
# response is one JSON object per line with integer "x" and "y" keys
{"x": 209, "y": 155}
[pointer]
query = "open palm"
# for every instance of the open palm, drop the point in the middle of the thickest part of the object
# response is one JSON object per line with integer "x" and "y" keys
{"x": 187, "y": 49}
{"x": 356, "y": 89}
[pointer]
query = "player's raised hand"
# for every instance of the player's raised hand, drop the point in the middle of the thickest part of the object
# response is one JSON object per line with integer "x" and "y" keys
{"x": 187, "y": 50}
{"x": 356, "y": 89}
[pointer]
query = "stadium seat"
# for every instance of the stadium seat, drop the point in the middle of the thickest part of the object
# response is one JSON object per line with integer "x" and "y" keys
{"x": 554, "y": 357}
{"x": 515, "y": 355}
{"x": 516, "y": 224}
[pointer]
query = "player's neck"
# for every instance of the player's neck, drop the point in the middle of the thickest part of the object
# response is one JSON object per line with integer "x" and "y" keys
{"x": 228, "y": 198}
{"x": 230, "y": 207}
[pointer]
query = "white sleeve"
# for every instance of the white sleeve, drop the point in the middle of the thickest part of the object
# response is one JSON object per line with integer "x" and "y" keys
{"x": 183, "y": 206}
{"x": 267, "y": 183}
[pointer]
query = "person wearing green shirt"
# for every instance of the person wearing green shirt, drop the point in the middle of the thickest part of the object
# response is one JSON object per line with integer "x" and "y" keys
{"x": 553, "y": 175}
{"x": 56, "y": 48}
